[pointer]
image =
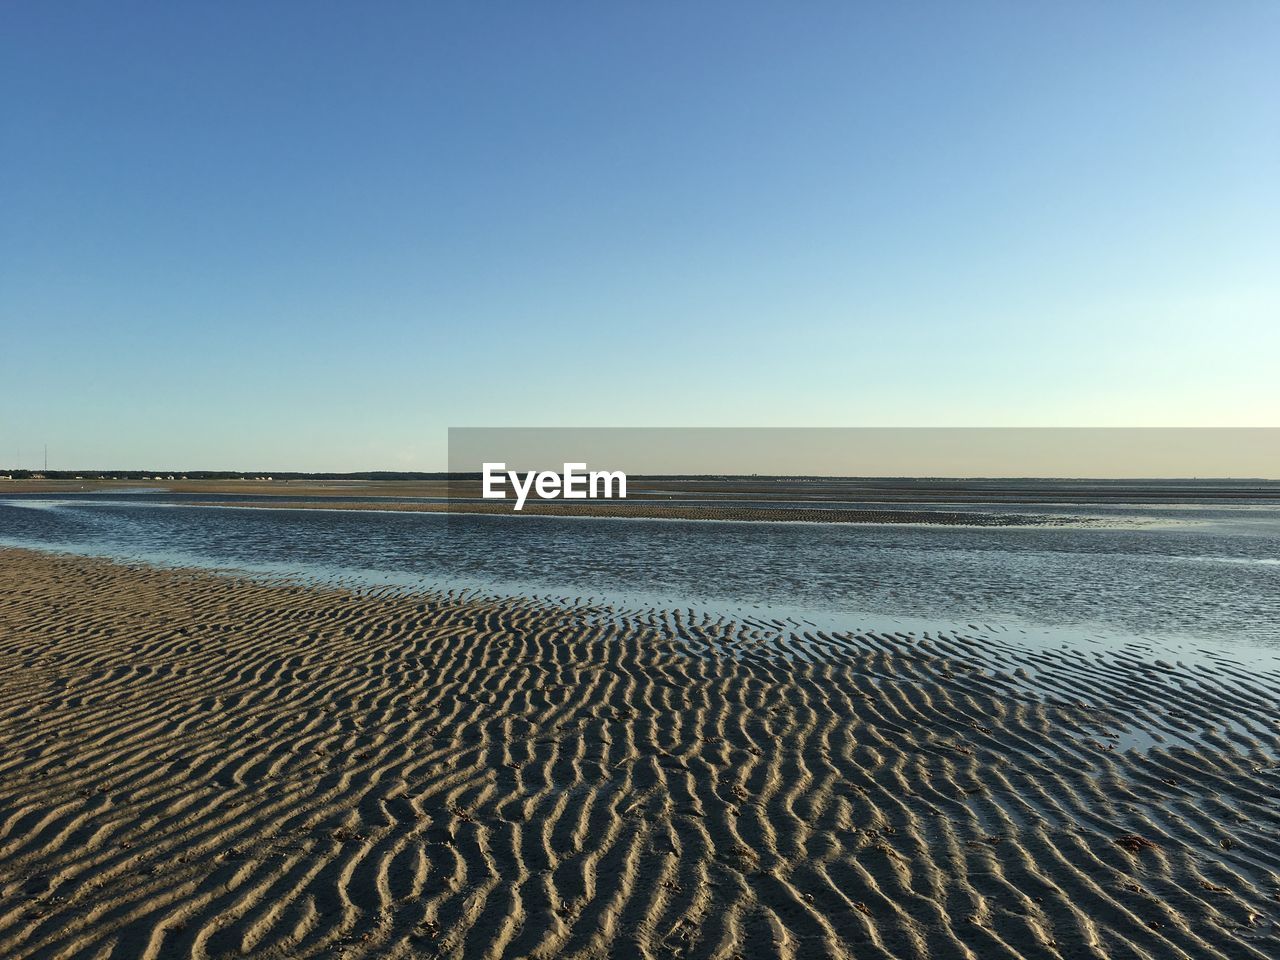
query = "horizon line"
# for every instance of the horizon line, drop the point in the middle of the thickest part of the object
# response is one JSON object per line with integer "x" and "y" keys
{"x": 175, "y": 475}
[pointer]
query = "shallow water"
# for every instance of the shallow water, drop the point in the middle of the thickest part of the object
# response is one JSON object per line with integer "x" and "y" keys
{"x": 1212, "y": 581}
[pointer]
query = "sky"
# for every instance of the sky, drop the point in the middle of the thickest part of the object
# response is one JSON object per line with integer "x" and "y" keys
{"x": 314, "y": 236}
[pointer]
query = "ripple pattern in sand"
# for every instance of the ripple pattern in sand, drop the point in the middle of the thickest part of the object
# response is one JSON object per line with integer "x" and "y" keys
{"x": 203, "y": 766}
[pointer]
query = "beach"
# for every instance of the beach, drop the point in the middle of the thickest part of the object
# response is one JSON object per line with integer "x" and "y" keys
{"x": 640, "y": 482}
{"x": 209, "y": 765}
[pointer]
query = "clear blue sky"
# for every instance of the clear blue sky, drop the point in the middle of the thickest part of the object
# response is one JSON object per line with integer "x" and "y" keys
{"x": 313, "y": 235}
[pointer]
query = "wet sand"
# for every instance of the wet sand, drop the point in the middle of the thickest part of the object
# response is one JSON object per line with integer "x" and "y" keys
{"x": 866, "y": 490}
{"x": 655, "y": 510}
{"x": 208, "y": 766}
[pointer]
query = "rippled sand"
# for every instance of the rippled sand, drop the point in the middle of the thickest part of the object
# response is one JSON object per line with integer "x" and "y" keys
{"x": 195, "y": 765}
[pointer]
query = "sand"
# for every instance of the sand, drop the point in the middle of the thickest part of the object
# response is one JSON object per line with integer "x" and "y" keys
{"x": 654, "y": 510}
{"x": 905, "y": 490}
{"x": 197, "y": 765}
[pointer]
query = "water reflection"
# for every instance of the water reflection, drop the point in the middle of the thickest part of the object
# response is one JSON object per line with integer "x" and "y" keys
{"x": 1217, "y": 580}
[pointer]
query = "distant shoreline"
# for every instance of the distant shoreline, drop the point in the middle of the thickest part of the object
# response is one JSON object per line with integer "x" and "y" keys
{"x": 886, "y": 490}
